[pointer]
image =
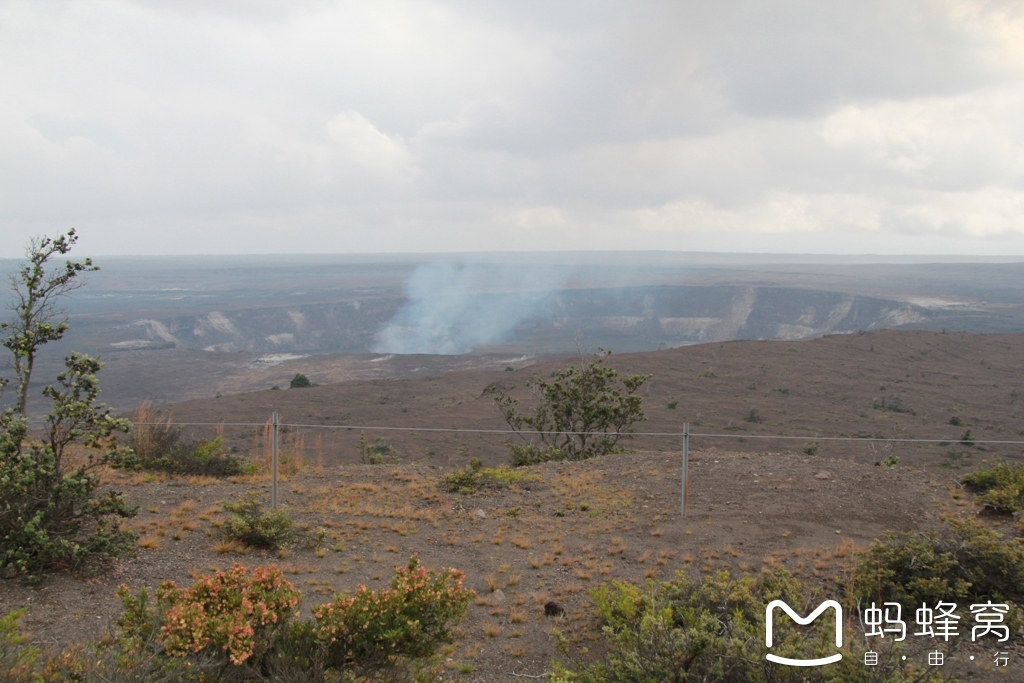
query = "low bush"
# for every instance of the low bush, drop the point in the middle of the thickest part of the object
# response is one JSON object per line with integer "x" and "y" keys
{"x": 966, "y": 561}
{"x": 241, "y": 625}
{"x": 523, "y": 455}
{"x": 410, "y": 619}
{"x": 714, "y": 630}
{"x": 156, "y": 445}
{"x": 1001, "y": 486}
{"x": 891, "y": 403}
{"x": 474, "y": 477}
{"x": 253, "y": 526}
{"x": 231, "y": 612}
{"x": 17, "y": 660}
{"x": 378, "y": 453}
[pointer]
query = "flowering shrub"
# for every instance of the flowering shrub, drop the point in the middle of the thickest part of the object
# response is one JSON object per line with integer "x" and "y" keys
{"x": 230, "y": 610}
{"x": 241, "y": 622}
{"x": 409, "y": 619}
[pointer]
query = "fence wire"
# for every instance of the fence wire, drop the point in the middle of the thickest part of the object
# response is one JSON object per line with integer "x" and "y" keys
{"x": 460, "y": 430}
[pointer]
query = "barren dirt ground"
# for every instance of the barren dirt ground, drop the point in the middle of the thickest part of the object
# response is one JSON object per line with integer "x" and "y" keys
{"x": 878, "y": 384}
{"x": 572, "y": 527}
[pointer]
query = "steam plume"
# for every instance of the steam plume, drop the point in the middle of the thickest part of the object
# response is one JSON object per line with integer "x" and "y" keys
{"x": 456, "y": 308}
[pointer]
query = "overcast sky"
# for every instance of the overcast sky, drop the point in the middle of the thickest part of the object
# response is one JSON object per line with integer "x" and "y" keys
{"x": 250, "y": 126}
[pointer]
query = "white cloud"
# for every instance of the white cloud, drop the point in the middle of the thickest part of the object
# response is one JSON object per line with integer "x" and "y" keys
{"x": 363, "y": 145}
{"x": 446, "y": 125}
{"x": 961, "y": 142}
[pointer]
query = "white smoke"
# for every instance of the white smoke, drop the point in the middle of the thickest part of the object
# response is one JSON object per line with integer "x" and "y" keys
{"x": 456, "y": 308}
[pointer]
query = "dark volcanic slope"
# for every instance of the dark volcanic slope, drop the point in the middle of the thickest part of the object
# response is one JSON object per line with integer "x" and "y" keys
{"x": 881, "y": 384}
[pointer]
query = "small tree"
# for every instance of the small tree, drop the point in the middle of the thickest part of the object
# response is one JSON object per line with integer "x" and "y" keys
{"x": 300, "y": 381}
{"x": 50, "y": 513}
{"x": 38, "y": 319}
{"x": 584, "y": 412}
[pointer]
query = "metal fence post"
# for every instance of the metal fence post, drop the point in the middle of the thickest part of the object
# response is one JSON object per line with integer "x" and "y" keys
{"x": 273, "y": 467}
{"x": 686, "y": 461}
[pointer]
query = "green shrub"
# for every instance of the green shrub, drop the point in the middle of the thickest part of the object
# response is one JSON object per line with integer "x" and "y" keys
{"x": 955, "y": 421}
{"x": 156, "y": 445}
{"x": 523, "y": 455}
{"x": 891, "y": 403}
{"x": 410, "y": 619}
{"x": 966, "y": 561}
{"x": 473, "y": 477}
{"x": 17, "y": 660}
{"x": 111, "y": 661}
{"x": 954, "y": 459}
{"x": 252, "y": 526}
{"x": 713, "y": 630}
{"x": 890, "y": 461}
{"x": 204, "y": 457}
{"x": 1001, "y": 486}
{"x": 52, "y": 516}
{"x": 299, "y": 381}
{"x": 504, "y": 476}
{"x": 582, "y": 413}
{"x": 460, "y": 480}
{"x": 378, "y": 453}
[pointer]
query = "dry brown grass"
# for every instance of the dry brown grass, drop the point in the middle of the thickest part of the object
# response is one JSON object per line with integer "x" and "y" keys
{"x": 521, "y": 542}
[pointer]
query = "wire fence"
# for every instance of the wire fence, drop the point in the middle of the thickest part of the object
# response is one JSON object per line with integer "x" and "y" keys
{"x": 294, "y": 446}
{"x": 679, "y": 434}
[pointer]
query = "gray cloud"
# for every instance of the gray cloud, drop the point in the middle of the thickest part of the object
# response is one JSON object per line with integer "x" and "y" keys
{"x": 447, "y": 125}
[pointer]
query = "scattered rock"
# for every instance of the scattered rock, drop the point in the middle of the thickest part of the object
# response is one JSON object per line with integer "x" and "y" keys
{"x": 823, "y": 475}
{"x": 480, "y": 514}
{"x": 497, "y": 597}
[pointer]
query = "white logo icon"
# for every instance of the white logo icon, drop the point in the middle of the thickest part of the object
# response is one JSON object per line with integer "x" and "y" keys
{"x": 803, "y": 621}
